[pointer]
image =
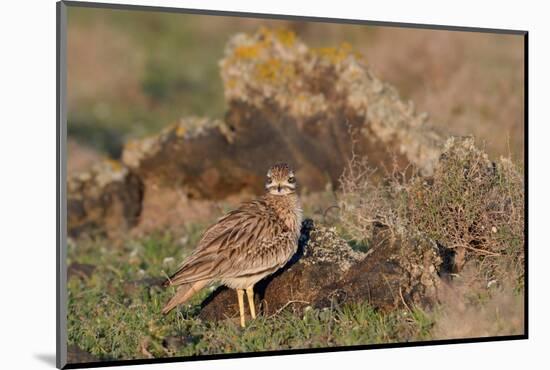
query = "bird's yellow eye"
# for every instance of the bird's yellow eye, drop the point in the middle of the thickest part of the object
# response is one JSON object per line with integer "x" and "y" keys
{"x": 291, "y": 180}
{"x": 268, "y": 181}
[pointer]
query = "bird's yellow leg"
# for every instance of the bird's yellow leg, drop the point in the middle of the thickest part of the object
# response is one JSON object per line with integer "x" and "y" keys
{"x": 250, "y": 295}
{"x": 240, "y": 294}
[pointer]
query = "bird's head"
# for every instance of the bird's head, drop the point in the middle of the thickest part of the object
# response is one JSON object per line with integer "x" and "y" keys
{"x": 280, "y": 180}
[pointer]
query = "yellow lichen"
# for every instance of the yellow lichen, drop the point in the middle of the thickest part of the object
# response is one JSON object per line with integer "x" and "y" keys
{"x": 335, "y": 55}
{"x": 268, "y": 70}
{"x": 265, "y": 39}
{"x": 265, "y": 33}
{"x": 274, "y": 70}
{"x": 359, "y": 56}
{"x": 115, "y": 165}
{"x": 180, "y": 131}
{"x": 231, "y": 83}
{"x": 346, "y": 47}
{"x": 247, "y": 51}
{"x": 285, "y": 37}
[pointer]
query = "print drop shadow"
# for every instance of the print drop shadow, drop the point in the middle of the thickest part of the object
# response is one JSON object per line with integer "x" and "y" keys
{"x": 261, "y": 286}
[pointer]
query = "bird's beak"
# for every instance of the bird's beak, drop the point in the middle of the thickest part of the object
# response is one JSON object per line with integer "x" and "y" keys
{"x": 279, "y": 188}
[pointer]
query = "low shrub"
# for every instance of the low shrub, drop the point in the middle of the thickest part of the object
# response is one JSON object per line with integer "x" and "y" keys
{"x": 473, "y": 208}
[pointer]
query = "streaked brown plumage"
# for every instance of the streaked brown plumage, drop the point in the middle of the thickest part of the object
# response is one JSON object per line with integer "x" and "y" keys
{"x": 245, "y": 245}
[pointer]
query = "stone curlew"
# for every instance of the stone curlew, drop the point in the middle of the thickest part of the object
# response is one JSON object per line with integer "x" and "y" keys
{"x": 245, "y": 245}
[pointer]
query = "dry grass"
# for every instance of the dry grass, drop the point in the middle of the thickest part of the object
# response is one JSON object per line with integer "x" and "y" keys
{"x": 364, "y": 202}
{"x": 470, "y": 309}
{"x": 474, "y": 207}
{"x": 471, "y": 207}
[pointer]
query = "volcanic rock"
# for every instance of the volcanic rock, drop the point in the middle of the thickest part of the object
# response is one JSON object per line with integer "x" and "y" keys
{"x": 327, "y": 272}
{"x": 105, "y": 200}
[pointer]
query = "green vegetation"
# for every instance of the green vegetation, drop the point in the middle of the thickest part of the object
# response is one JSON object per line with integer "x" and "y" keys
{"x": 115, "y": 312}
{"x": 133, "y": 73}
{"x": 115, "y": 303}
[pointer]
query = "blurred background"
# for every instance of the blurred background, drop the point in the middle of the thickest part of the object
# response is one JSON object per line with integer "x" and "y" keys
{"x": 131, "y": 73}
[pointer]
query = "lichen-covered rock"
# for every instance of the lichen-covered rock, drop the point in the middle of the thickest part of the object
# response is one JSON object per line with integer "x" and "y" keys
{"x": 286, "y": 103}
{"x": 331, "y": 87}
{"x": 398, "y": 272}
{"x": 325, "y": 245}
{"x": 105, "y": 200}
{"x": 311, "y": 108}
{"x": 137, "y": 152}
{"x": 393, "y": 273}
{"x": 200, "y": 157}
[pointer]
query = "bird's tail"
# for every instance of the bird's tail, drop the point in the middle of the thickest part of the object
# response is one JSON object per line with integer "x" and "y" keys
{"x": 183, "y": 293}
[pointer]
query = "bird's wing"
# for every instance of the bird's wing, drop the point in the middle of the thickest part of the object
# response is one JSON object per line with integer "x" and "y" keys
{"x": 246, "y": 241}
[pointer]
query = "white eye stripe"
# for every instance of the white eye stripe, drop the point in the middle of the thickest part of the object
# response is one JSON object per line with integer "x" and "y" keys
{"x": 285, "y": 185}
